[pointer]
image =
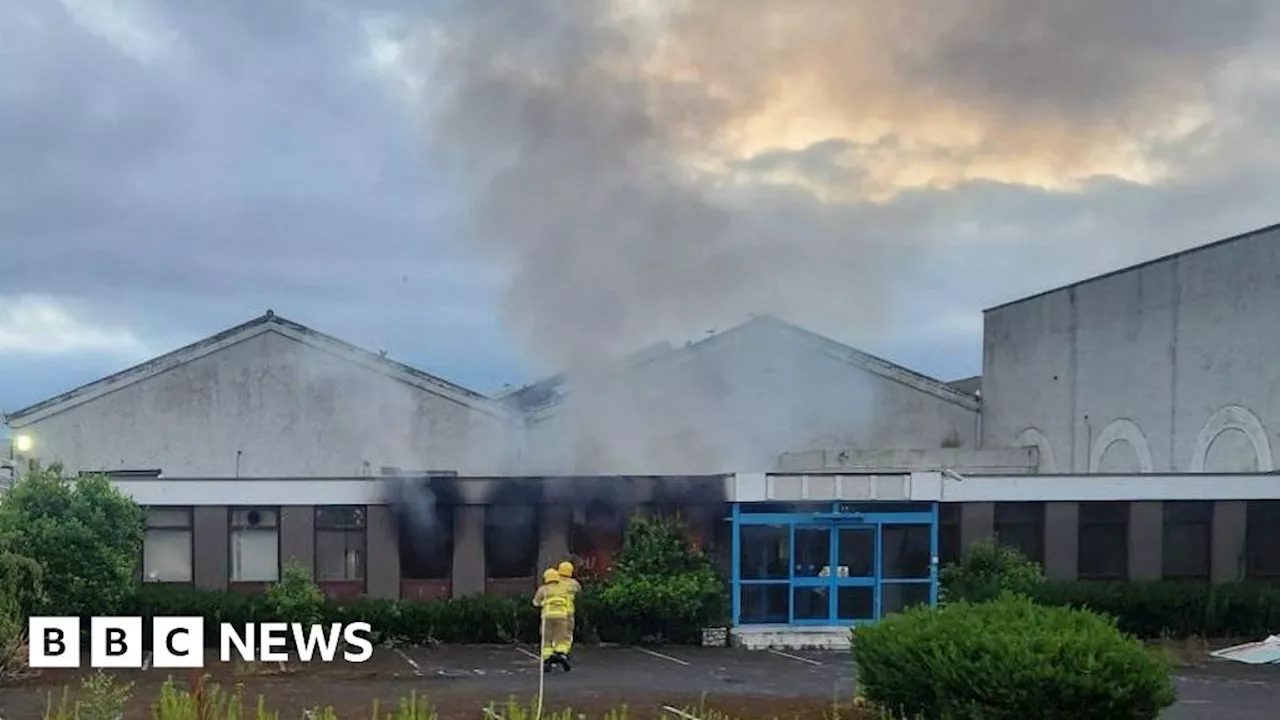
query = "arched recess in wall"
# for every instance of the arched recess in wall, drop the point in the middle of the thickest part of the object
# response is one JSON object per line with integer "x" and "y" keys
{"x": 1233, "y": 417}
{"x": 1121, "y": 430}
{"x": 1032, "y": 437}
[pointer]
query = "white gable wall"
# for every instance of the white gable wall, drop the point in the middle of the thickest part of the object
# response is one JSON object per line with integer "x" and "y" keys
{"x": 287, "y": 408}
{"x": 739, "y": 402}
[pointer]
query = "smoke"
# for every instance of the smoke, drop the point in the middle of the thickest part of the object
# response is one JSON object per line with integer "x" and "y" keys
{"x": 647, "y": 170}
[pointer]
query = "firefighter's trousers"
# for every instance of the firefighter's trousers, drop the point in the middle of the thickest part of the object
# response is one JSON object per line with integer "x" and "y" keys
{"x": 557, "y": 636}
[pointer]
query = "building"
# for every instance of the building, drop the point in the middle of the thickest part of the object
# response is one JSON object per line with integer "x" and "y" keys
{"x": 1119, "y": 431}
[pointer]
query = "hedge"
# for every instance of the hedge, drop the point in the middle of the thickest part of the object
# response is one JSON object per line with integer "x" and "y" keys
{"x": 601, "y": 616}
{"x": 1175, "y": 609}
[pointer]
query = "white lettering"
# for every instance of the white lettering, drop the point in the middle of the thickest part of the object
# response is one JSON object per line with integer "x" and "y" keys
{"x": 245, "y": 644}
{"x": 274, "y": 639}
{"x": 354, "y": 635}
{"x": 306, "y": 641}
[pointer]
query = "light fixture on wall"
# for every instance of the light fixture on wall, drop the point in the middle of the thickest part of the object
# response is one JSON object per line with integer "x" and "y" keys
{"x": 950, "y": 474}
{"x": 23, "y": 443}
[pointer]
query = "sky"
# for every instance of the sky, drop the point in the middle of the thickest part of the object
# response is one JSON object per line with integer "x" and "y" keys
{"x": 494, "y": 191}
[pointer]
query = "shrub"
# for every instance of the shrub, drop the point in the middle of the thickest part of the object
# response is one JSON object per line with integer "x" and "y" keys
{"x": 20, "y": 590}
{"x": 82, "y": 531}
{"x": 1009, "y": 659}
{"x": 660, "y": 589}
{"x": 296, "y": 598}
{"x": 986, "y": 572}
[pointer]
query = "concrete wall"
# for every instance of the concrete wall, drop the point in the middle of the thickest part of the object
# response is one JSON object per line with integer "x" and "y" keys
{"x": 739, "y": 401}
{"x": 270, "y": 406}
{"x": 1168, "y": 367}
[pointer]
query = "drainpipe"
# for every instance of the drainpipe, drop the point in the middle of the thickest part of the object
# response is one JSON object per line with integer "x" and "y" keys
{"x": 238, "y": 454}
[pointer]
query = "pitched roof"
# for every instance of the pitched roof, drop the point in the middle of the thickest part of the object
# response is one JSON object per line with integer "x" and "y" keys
{"x": 545, "y": 394}
{"x": 266, "y": 323}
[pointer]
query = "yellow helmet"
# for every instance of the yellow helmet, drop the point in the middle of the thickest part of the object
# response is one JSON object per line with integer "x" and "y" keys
{"x": 565, "y": 569}
{"x": 550, "y": 575}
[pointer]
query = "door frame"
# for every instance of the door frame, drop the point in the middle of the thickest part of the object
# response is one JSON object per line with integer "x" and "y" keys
{"x": 834, "y": 520}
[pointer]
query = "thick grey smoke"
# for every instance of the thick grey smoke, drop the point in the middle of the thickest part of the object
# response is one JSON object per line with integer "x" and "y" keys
{"x": 651, "y": 169}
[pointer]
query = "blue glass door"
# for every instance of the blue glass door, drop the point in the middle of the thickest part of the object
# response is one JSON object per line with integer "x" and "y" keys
{"x": 811, "y": 576}
{"x": 857, "y": 573}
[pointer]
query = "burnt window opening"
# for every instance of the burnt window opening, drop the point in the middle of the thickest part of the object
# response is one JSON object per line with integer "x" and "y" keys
{"x": 1187, "y": 544}
{"x": 596, "y": 537}
{"x": 424, "y": 511}
{"x": 1020, "y": 525}
{"x": 511, "y": 538}
{"x": 1104, "y": 540}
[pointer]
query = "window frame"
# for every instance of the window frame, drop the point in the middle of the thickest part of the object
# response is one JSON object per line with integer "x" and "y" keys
{"x": 188, "y": 527}
{"x": 233, "y": 528}
{"x": 1037, "y": 513}
{"x": 1102, "y": 523}
{"x": 357, "y": 528}
{"x": 535, "y": 542}
{"x": 1175, "y": 527}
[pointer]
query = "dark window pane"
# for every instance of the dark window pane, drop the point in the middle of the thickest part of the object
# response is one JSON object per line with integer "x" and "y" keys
{"x": 904, "y": 551}
{"x": 812, "y": 551}
{"x": 810, "y": 603}
{"x": 339, "y": 517}
{"x": 857, "y": 552}
{"x": 855, "y": 603}
{"x": 1187, "y": 539}
{"x": 1104, "y": 513}
{"x": 426, "y": 552}
{"x": 765, "y": 603}
{"x": 1020, "y": 525}
{"x": 949, "y": 538}
{"x": 764, "y": 552}
{"x": 1262, "y": 540}
{"x": 896, "y": 597}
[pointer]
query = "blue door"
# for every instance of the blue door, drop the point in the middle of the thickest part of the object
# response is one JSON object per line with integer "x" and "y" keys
{"x": 833, "y": 573}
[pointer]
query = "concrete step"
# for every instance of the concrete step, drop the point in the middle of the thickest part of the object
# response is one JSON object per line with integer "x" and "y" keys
{"x": 787, "y": 637}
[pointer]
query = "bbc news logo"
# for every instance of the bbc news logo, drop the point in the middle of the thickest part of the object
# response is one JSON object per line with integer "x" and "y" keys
{"x": 178, "y": 642}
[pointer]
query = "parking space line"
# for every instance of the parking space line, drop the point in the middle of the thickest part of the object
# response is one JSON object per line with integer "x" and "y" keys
{"x": 779, "y": 653}
{"x": 417, "y": 669}
{"x": 660, "y": 655}
{"x": 527, "y": 653}
{"x": 146, "y": 661}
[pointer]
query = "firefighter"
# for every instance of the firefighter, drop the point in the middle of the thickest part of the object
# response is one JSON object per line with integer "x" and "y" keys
{"x": 553, "y": 600}
{"x": 572, "y": 588}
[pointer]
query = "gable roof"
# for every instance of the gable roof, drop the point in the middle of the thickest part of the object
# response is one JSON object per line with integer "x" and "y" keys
{"x": 266, "y": 323}
{"x": 537, "y": 398}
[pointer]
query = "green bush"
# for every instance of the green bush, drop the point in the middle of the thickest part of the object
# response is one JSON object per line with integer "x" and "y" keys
{"x": 1009, "y": 659}
{"x": 1175, "y": 609}
{"x": 296, "y": 598}
{"x": 85, "y": 533}
{"x": 661, "y": 588}
{"x": 987, "y": 571}
{"x": 20, "y": 591}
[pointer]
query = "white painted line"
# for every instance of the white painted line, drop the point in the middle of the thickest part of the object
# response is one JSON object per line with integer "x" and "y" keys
{"x": 681, "y": 713}
{"x": 417, "y": 669}
{"x": 660, "y": 655}
{"x": 779, "y": 653}
{"x": 527, "y": 653}
{"x": 146, "y": 661}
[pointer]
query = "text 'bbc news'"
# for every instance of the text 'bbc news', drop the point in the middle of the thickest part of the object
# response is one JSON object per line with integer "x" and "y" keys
{"x": 178, "y": 642}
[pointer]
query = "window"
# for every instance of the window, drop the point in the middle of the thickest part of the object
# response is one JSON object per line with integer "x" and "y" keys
{"x": 255, "y": 545}
{"x": 764, "y": 567}
{"x": 511, "y": 539}
{"x": 1104, "y": 540}
{"x": 596, "y": 537}
{"x": 1020, "y": 525}
{"x": 1188, "y": 539}
{"x": 166, "y": 547}
{"x": 340, "y": 542}
{"x": 949, "y": 538}
{"x": 1262, "y": 540}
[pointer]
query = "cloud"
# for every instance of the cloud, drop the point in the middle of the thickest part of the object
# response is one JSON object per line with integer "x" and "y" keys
{"x": 32, "y": 325}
